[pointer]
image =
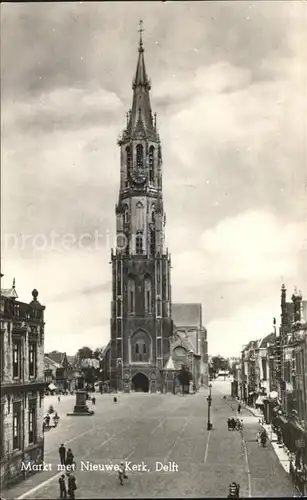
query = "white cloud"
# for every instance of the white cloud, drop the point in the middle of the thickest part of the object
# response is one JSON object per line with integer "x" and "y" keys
{"x": 227, "y": 335}
{"x": 62, "y": 106}
{"x": 74, "y": 316}
{"x": 253, "y": 246}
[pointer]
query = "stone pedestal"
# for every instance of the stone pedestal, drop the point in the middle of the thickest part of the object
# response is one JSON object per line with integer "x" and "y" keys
{"x": 81, "y": 409}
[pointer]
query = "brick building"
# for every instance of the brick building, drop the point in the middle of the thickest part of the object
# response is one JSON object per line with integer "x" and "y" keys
{"x": 141, "y": 324}
{"x": 22, "y": 384}
{"x": 142, "y": 329}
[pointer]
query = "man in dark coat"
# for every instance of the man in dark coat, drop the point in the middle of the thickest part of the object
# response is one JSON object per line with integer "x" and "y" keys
{"x": 69, "y": 457}
{"x": 63, "y": 492}
{"x": 62, "y": 453}
{"x": 71, "y": 486}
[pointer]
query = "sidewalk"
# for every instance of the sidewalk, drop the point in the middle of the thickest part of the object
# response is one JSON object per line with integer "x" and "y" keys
{"x": 281, "y": 451}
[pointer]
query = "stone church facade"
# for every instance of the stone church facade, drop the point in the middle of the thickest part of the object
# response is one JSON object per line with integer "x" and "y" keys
{"x": 141, "y": 324}
{"x": 143, "y": 335}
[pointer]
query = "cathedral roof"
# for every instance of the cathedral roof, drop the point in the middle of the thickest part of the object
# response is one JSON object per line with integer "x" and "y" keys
{"x": 187, "y": 315}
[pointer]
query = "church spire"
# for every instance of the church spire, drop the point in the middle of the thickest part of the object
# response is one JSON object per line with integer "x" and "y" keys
{"x": 141, "y": 107}
{"x": 141, "y": 79}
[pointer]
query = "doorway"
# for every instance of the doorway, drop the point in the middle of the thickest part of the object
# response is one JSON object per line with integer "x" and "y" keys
{"x": 140, "y": 383}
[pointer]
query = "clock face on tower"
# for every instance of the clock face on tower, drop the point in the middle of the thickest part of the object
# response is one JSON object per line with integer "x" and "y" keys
{"x": 138, "y": 178}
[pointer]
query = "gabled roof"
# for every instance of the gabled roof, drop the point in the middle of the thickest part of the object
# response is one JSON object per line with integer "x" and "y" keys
{"x": 185, "y": 342}
{"x": 57, "y": 356}
{"x": 187, "y": 315}
{"x": 50, "y": 363}
{"x": 9, "y": 293}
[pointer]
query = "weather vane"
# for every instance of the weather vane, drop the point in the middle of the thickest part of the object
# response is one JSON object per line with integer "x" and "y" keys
{"x": 141, "y": 29}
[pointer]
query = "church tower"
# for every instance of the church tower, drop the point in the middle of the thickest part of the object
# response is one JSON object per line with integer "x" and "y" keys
{"x": 141, "y": 324}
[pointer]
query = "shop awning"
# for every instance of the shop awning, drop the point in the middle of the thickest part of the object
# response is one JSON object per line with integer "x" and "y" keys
{"x": 52, "y": 387}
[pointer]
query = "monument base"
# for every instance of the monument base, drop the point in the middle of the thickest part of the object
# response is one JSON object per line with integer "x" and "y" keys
{"x": 81, "y": 409}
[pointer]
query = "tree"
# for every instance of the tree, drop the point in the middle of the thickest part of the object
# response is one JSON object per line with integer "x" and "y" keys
{"x": 220, "y": 363}
{"x": 85, "y": 353}
{"x": 97, "y": 354}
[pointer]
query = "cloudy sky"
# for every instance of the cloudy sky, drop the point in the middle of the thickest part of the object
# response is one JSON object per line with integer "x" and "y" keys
{"x": 229, "y": 87}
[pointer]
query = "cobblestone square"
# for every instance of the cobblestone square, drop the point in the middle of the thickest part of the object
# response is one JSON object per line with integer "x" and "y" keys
{"x": 150, "y": 428}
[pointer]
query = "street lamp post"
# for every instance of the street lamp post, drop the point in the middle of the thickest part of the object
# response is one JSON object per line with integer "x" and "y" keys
{"x": 209, "y": 399}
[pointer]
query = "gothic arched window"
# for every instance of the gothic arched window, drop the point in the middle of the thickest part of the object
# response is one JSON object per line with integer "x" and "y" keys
{"x": 140, "y": 350}
{"x": 128, "y": 161}
{"x": 139, "y": 156}
{"x": 139, "y": 216}
{"x": 131, "y": 296}
{"x": 126, "y": 214}
{"x": 148, "y": 296}
{"x": 153, "y": 209}
{"x": 151, "y": 164}
{"x": 139, "y": 243}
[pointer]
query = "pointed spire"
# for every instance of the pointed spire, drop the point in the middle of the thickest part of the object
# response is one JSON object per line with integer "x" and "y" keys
{"x": 14, "y": 284}
{"x": 141, "y": 113}
{"x": 141, "y": 78}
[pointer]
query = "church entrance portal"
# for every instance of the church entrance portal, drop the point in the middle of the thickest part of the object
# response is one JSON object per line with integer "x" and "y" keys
{"x": 140, "y": 383}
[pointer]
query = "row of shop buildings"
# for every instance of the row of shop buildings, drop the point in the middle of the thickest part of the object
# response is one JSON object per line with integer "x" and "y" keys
{"x": 272, "y": 375}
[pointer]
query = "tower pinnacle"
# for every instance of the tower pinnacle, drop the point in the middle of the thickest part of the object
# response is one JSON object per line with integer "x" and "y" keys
{"x": 141, "y": 29}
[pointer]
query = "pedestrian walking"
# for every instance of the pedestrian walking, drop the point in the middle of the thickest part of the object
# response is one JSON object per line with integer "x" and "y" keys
{"x": 263, "y": 439}
{"x": 122, "y": 473}
{"x": 234, "y": 490}
{"x": 69, "y": 457}
{"x": 229, "y": 424}
{"x": 62, "y": 484}
{"x": 239, "y": 408}
{"x": 62, "y": 453}
{"x": 59, "y": 399}
{"x": 71, "y": 486}
{"x": 258, "y": 437}
{"x": 94, "y": 400}
{"x": 115, "y": 399}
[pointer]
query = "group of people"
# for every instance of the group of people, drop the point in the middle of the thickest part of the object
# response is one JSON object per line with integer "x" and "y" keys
{"x": 235, "y": 424}
{"x": 69, "y": 487}
{"x": 67, "y": 459}
{"x": 50, "y": 420}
